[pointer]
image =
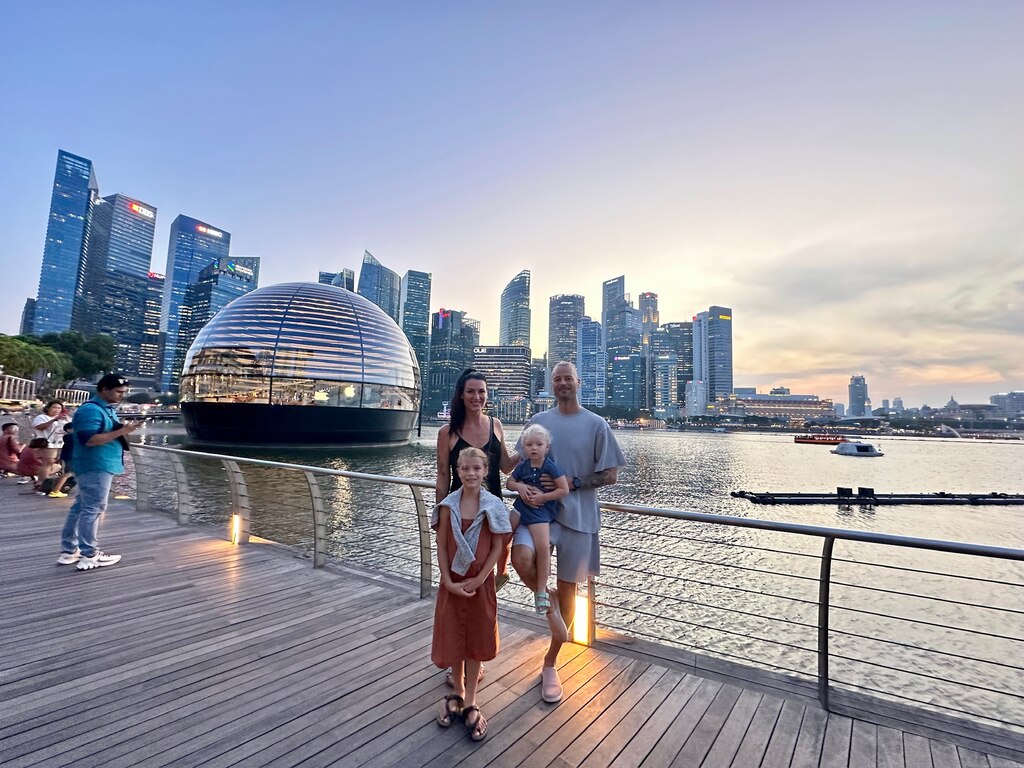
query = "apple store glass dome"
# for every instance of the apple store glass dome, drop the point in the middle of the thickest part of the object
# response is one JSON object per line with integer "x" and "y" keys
{"x": 302, "y": 344}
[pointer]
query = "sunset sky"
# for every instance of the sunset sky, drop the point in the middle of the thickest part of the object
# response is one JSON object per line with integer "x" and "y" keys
{"x": 849, "y": 178}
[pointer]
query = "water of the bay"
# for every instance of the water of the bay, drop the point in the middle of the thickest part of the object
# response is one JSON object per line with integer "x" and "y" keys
{"x": 749, "y": 595}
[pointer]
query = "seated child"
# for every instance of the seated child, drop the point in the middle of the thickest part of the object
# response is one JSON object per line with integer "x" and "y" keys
{"x": 10, "y": 448}
{"x": 537, "y": 508}
{"x": 66, "y": 481}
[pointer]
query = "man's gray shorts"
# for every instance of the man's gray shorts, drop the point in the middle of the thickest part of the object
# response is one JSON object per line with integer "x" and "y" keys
{"x": 578, "y": 553}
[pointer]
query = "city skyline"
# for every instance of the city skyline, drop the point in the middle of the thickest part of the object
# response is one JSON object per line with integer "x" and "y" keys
{"x": 859, "y": 212}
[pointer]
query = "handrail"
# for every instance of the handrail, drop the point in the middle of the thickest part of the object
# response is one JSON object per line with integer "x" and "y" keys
{"x": 824, "y": 578}
{"x": 845, "y": 534}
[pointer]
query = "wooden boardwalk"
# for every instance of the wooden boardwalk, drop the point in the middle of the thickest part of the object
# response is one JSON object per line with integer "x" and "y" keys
{"x": 194, "y": 652}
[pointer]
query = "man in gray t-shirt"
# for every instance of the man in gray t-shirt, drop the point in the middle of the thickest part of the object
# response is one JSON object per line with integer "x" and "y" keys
{"x": 584, "y": 448}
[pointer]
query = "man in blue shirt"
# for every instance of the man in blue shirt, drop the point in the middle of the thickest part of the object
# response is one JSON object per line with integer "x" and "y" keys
{"x": 95, "y": 458}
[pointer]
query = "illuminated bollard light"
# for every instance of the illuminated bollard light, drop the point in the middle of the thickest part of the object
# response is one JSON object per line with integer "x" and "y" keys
{"x": 583, "y": 623}
{"x": 236, "y": 528}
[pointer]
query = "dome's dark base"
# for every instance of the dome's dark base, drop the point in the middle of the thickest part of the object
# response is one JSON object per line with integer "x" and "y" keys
{"x": 252, "y": 424}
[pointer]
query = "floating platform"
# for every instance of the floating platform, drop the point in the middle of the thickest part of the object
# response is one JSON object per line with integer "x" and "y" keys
{"x": 868, "y": 496}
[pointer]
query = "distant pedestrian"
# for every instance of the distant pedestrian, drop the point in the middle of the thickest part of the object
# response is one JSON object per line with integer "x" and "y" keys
{"x": 50, "y": 423}
{"x": 37, "y": 461}
{"x": 99, "y": 443}
{"x": 10, "y": 448}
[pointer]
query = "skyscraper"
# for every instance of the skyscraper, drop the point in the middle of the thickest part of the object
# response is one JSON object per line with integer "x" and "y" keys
{"x": 613, "y": 296}
{"x": 712, "y": 352}
{"x": 414, "y": 315}
{"x": 152, "y": 339}
{"x": 346, "y": 279}
{"x": 858, "y": 395}
{"x": 591, "y": 363}
{"x": 28, "y": 317}
{"x": 514, "y": 326}
{"x": 649, "y": 323}
{"x": 452, "y": 341}
{"x": 218, "y": 285}
{"x": 67, "y": 243}
{"x": 565, "y": 311}
{"x": 193, "y": 246}
{"x": 380, "y": 285}
{"x": 507, "y": 369}
{"x": 676, "y": 339}
{"x": 624, "y": 340}
{"x": 116, "y": 276}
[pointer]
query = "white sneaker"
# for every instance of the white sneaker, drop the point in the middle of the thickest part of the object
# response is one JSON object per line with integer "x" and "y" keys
{"x": 99, "y": 560}
{"x": 68, "y": 558}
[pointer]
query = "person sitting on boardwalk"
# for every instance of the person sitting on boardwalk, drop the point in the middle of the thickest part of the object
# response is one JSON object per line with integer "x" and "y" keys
{"x": 10, "y": 448}
{"x": 538, "y": 510}
{"x": 96, "y": 457}
{"x": 583, "y": 446}
{"x": 37, "y": 461}
{"x": 470, "y": 524}
{"x": 67, "y": 480}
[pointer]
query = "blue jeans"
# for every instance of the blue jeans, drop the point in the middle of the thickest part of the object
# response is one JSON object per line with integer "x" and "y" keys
{"x": 84, "y": 516}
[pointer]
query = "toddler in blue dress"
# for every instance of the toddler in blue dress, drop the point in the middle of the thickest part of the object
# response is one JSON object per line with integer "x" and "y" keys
{"x": 538, "y": 508}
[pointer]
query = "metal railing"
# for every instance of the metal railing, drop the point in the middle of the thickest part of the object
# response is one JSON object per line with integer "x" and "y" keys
{"x": 939, "y": 627}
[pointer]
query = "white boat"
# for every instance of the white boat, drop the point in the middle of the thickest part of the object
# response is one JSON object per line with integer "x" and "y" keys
{"x": 856, "y": 448}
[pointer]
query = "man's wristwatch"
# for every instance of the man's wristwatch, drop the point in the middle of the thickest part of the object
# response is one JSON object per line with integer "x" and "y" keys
{"x": 576, "y": 483}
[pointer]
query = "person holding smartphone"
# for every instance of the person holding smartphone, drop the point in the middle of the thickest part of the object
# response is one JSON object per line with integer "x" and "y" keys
{"x": 50, "y": 423}
{"x": 97, "y": 456}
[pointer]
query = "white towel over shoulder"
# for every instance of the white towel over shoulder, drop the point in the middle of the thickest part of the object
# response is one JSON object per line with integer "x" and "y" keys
{"x": 491, "y": 507}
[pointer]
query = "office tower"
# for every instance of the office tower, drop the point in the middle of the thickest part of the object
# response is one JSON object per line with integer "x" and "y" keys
{"x": 346, "y": 279}
{"x": 514, "y": 326}
{"x": 696, "y": 397}
{"x": 193, "y": 246}
{"x": 564, "y": 313}
{"x": 28, "y": 317}
{"x": 625, "y": 381}
{"x": 613, "y": 296}
{"x": 67, "y": 244}
{"x": 538, "y": 375}
{"x": 649, "y": 323}
{"x": 380, "y": 285}
{"x": 712, "y": 351}
{"x": 152, "y": 340}
{"x": 623, "y": 338}
{"x": 676, "y": 339}
{"x": 218, "y": 285}
{"x": 858, "y": 395}
{"x": 414, "y": 315}
{"x": 840, "y": 410}
{"x": 591, "y": 363}
{"x": 507, "y": 369}
{"x": 114, "y": 284}
{"x": 665, "y": 376}
{"x": 452, "y": 341}
{"x": 897, "y": 404}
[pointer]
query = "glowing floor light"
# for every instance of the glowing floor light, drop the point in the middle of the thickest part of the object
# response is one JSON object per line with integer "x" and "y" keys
{"x": 236, "y": 528}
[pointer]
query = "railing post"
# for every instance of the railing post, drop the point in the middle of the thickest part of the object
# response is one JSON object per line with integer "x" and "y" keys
{"x": 181, "y": 483}
{"x": 239, "y": 499}
{"x": 423, "y": 526}
{"x": 319, "y": 522}
{"x": 141, "y": 488}
{"x": 824, "y": 584}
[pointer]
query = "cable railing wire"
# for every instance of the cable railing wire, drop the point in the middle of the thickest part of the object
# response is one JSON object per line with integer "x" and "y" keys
{"x": 732, "y": 566}
{"x": 905, "y": 671}
{"x": 924, "y": 622}
{"x": 687, "y": 580}
{"x": 662, "y": 596}
{"x": 716, "y": 542}
{"x": 908, "y": 569}
{"x": 926, "y": 597}
{"x": 924, "y": 649}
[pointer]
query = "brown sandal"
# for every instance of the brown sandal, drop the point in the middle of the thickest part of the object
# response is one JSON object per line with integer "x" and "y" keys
{"x": 477, "y": 729}
{"x": 451, "y": 710}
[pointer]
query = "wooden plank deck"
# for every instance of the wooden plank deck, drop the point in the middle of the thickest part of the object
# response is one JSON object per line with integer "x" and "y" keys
{"x": 194, "y": 652}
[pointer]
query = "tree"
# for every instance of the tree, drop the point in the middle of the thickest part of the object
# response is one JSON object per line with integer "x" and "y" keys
{"x": 86, "y": 355}
{"x": 23, "y": 359}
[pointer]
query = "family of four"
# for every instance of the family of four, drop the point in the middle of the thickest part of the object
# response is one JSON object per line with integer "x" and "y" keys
{"x": 563, "y": 456}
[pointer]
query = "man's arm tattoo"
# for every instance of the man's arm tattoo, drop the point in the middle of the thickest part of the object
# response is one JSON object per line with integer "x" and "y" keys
{"x": 596, "y": 480}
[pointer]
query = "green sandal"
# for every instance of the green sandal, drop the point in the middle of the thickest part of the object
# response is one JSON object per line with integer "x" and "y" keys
{"x": 541, "y": 602}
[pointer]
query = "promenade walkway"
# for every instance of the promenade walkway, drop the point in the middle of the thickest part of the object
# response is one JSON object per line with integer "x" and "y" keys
{"x": 195, "y": 652}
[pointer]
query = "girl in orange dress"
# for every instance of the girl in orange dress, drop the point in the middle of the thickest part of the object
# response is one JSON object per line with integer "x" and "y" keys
{"x": 471, "y": 526}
